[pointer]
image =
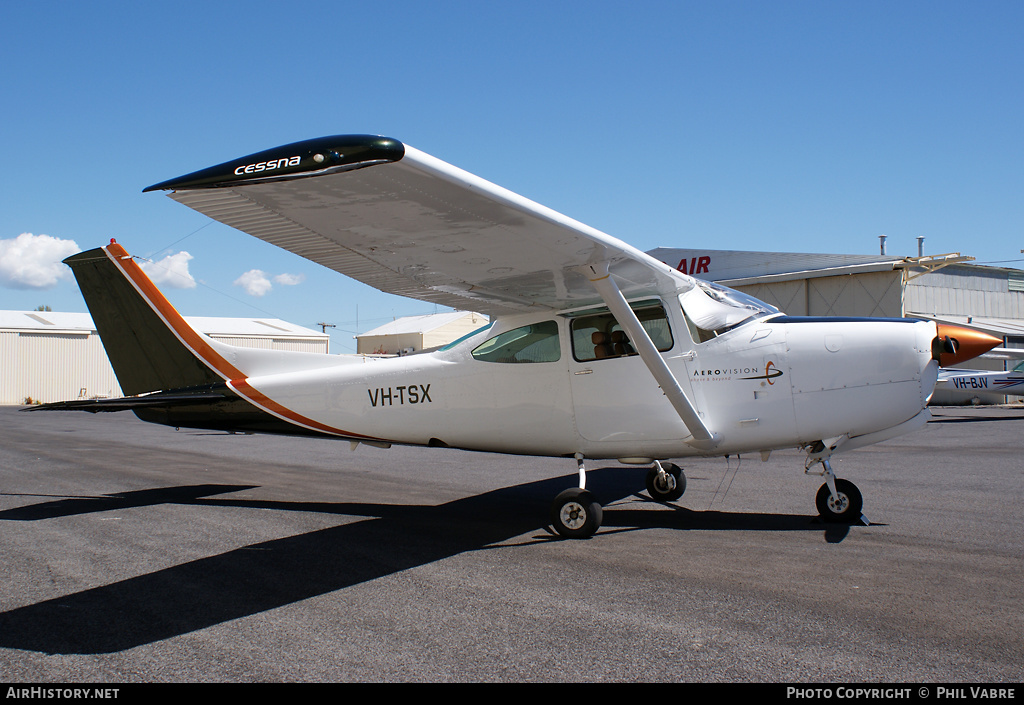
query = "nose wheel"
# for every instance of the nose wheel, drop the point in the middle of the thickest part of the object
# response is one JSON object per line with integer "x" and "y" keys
{"x": 843, "y": 506}
{"x": 838, "y": 501}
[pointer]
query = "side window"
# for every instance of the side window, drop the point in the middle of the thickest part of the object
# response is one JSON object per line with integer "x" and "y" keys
{"x": 599, "y": 336}
{"x": 533, "y": 343}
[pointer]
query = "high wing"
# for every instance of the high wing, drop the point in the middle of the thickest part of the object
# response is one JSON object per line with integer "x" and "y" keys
{"x": 407, "y": 223}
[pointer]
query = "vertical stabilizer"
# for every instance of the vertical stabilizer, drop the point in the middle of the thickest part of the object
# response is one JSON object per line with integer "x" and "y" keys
{"x": 150, "y": 346}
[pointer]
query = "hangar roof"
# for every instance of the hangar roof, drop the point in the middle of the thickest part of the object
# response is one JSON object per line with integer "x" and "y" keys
{"x": 731, "y": 265}
{"x": 740, "y": 268}
{"x": 57, "y": 322}
{"x": 46, "y": 321}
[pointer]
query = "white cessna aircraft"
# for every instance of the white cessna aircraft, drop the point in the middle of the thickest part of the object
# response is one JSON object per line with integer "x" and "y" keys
{"x": 595, "y": 350}
{"x": 986, "y": 384}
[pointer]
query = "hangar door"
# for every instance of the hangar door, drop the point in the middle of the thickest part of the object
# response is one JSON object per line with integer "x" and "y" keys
{"x": 875, "y": 294}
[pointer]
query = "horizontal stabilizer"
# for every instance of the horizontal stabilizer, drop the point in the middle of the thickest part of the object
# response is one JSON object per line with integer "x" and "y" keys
{"x": 145, "y": 401}
{"x": 216, "y": 408}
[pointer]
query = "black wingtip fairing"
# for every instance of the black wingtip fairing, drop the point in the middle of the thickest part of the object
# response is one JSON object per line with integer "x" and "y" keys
{"x": 315, "y": 157}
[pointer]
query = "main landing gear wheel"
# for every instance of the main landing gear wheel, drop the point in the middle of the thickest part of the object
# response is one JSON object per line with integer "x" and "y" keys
{"x": 668, "y": 486}
{"x": 845, "y": 507}
{"x": 576, "y": 514}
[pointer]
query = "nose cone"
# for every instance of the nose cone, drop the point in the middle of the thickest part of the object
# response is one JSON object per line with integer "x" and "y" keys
{"x": 958, "y": 344}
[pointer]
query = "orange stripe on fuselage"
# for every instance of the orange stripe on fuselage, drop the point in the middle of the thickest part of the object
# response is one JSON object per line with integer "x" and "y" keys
{"x": 235, "y": 378}
{"x": 170, "y": 315}
{"x": 254, "y": 396}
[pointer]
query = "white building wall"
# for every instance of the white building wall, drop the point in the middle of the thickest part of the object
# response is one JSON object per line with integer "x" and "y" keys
{"x": 418, "y": 332}
{"x": 314, "y": 345}
{"x": 452, "y": 331}
{"x": 789, "y": 297}
{"x": 965, "y": 292}
{"x": 47, "y": 367}
{"x": 388, "y": 344}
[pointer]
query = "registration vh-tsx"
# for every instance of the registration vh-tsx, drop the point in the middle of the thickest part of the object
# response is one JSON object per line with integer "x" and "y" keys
{"x": 594, "y": 350}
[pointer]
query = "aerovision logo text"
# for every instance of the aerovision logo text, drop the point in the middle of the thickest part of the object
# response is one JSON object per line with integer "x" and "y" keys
{"x": 724, "y": 374}
{"x": 268, "y": 166}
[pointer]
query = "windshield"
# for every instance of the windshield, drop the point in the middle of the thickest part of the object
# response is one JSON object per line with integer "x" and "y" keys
{"x": 711, "y": 309}
{"x": 467, "y": 336}
{"x": 534, "y": 343}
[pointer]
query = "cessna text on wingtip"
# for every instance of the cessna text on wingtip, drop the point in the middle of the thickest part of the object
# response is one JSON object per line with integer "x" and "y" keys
{"x": 268, "y": 166}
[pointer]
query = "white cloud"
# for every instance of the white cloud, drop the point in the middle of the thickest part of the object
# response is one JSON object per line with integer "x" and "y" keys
{"x": 255, "y": 282}
{"x": 34, "y": 261}
{"x": 290, "y": 279}
{"x": 171, "y": 271}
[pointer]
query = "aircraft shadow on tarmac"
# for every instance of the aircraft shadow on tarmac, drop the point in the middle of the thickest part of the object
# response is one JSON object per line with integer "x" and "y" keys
{"x": 974, "y": 419}
{"x": 264, "y": 576}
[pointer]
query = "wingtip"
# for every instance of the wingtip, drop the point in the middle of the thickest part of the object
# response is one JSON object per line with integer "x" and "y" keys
{"x": 299, "y": 159}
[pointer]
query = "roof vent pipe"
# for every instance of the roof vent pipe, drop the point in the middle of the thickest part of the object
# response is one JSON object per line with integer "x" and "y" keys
{"x": 881, "y": 243}
{"x": 920, "y": 245}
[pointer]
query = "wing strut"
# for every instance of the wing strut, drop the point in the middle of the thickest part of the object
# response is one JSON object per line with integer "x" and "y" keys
{"x": 600, "y": 278}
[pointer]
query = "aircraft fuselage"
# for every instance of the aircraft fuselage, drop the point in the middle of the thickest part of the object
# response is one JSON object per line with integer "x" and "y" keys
{"x": 767, "y": 384}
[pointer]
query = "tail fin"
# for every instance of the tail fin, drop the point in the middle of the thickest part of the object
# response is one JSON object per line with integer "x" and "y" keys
{"x": 150, "y": 346}
{"x": 152, "y": 349}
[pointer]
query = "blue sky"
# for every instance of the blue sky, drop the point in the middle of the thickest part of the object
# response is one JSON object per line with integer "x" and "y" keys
{"x": 777, "y": 126}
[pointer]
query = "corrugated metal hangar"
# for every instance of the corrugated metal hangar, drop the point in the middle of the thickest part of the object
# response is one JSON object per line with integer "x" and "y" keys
{"x": 418, "y": 333}
{"x": 945, "y": 288}
{"x": 49, "y": 356}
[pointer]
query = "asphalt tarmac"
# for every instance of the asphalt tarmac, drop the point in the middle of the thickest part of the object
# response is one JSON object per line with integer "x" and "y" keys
{"x": 138, "y": 553}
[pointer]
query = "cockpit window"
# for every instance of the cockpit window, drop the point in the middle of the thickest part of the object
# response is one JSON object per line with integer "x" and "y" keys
{"x": 533, "y": 343}
{"x": 599, "y": 335}
{"x": 711, "y": 310}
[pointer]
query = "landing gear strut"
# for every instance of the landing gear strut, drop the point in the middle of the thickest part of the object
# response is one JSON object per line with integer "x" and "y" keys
{"x": 575, "y": 513}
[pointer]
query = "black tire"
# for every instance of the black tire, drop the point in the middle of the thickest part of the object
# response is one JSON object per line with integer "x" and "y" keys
{"x": 848, "y": 508}
{"x": 575, "y": 514}
{"x": 670, "y": 491}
